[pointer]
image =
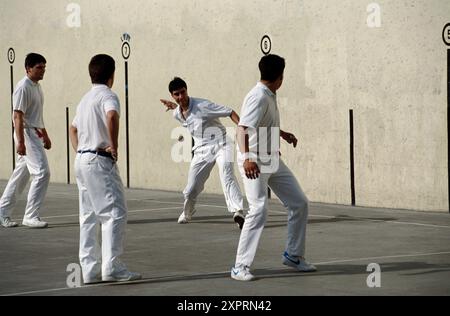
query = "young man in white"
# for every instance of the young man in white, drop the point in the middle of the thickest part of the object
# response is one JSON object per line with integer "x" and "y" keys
{"x": 201, "y": 118}
{"x": 261, "y": 167}
{"x": 94, "y": 136}
{"x": 31, "y": 138}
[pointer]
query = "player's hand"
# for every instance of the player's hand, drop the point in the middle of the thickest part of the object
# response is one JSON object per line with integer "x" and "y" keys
{"x": 21, "y": 150}
{"x": 113, "y": 152}
{"x": 251, "y": 169}
{"x": 47, "y": 143}
{"x": 289, "y": 138}
{"x": 169, "y": 104}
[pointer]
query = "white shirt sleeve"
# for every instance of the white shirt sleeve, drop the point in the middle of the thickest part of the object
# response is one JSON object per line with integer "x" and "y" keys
{"x": 253, "y": 111}
{"x": 75, "y": 121}
{"x": 111, "y": 103}
{"x": 20, "y": 100}
{"x": 213, "y": 110}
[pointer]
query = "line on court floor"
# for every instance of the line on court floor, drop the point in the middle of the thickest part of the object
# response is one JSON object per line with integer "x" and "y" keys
{"x": 134, "y": 211}
{"x": 179, "y": 203}
{"x": 174, "y": 277}
{"x": 384, "y": 257}
{"x": 277, "y": 212}
{"x": 374, "y": 220}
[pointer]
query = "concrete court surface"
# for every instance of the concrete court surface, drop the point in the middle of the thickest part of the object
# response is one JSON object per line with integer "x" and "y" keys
{"x": 411, "y": 248}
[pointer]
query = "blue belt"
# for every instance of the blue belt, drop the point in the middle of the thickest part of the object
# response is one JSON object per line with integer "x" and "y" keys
{"x": 100, "y": 153}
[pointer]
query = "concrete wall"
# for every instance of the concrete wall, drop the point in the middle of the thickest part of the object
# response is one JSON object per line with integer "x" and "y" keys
{"x": 392, "y": 76}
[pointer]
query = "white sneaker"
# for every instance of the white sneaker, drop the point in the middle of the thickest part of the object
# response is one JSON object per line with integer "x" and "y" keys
{"x": 239, "y": 218}
{"x": 6, "y": 222}
{"x": 122, "y": 276}
{"x": 298, "y": 263}
{"x": 184, "y": 219}
{"x": 34, "y": 223}
{"x": 242, "y": 273}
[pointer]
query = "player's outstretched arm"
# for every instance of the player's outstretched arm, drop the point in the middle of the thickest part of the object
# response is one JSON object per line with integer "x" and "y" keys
{"x": 169, "y": 104}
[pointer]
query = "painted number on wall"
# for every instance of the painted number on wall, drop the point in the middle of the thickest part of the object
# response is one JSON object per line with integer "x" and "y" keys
{"x": 74, "y": 18}
{"x": 126, "y": 50}
{"x": 374, "y": 17}
{"x": 266, "y": 45}
{"x": 11, "y": 55}
{"x": 446, "y": 34}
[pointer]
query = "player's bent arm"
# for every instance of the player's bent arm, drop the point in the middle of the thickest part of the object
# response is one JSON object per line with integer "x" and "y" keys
{"x": 242, "y": 139}
{"x": 112, "y": 121}
{"x": 289, "y": 137}
{"x": 18, "y": 126}
{"x": 250, "y": 166}
{"x": 235, "y": 117}
{"x": 73, "y": 133}
{"x": 47, "y": 141}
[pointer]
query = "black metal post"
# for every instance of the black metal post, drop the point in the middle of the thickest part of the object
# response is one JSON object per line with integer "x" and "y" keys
{"x": 352, "y": 160}
{"x": 448, "y": 123}
{"x": 12, "y": 124}
{"x": 126, "y": 125}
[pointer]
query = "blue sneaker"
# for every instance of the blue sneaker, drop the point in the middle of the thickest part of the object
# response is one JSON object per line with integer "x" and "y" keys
{"x": 298, "y": 263}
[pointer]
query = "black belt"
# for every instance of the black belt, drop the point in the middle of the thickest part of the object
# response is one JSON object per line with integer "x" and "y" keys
{"x": 100, "y": 153}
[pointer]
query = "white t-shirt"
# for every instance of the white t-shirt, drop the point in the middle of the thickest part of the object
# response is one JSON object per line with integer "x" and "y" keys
{"x": 203, "y": 121}
{"x": 29, "y": 99}
{"x": 90, "y": 119}
{"x": 260, "y": 114}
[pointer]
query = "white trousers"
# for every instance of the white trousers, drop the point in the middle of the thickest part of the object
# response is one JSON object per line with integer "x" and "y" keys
{"x": 34, "y": 163}
{"x": 103, "y": 215}
{"x": 284, "y": 184}
{"x": 201, "y": 165}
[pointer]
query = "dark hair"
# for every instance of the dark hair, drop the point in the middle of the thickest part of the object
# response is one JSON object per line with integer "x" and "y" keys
{"x": 101, "y": 68}
{"x": 176, "y": 84}
{"x": 271, "y": 67}
{"x": 33, "y": 59}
